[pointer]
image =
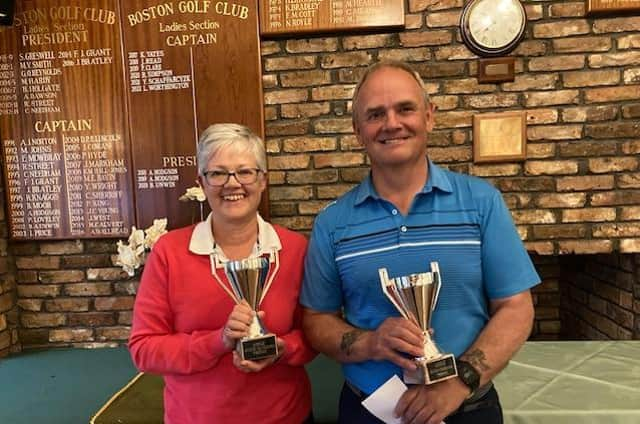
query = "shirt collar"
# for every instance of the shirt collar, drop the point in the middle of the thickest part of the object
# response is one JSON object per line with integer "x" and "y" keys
{"x": 203, "y": 243}
{"x": 437, "y": 178}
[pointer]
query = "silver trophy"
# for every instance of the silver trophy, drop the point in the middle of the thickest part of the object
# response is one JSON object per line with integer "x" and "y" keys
{"x": 247, "y": 278}
{"x": 415, "y": 296}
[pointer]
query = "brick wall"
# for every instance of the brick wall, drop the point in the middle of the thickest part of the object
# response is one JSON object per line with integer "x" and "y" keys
{"x": 546, "y": 299}
{"x": 601, "y": 297}
{"x": 578, "y": 79}
{"x": 69, "y": 293}
{"x": 578, "y": 192}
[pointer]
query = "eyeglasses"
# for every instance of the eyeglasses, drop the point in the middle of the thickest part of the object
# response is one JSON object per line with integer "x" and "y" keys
{"x": 220, "y": 177}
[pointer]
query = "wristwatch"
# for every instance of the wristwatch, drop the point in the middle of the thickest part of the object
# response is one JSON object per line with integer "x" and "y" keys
{"x": 469, "y": 375}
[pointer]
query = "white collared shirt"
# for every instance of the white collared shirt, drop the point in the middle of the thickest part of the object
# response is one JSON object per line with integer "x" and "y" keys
{"x": 203, "y": 243}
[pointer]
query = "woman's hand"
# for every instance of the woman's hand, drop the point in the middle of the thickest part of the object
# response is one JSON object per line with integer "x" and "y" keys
{"x": 237, "y": 325}
{"x": 256, "y": 366}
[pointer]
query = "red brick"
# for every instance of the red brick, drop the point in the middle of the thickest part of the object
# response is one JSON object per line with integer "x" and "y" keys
{"x": 372, "y": 41}
{"x": 589, "y": 215}
{"x": 26, "y": 291}
{"x": 112, "y": 333}
{"x": 88, "y": 289}
{"x": 583, "y": 247}
{"x": 86, "y": 261}
{"x": 38, "y": 262}
{"x": 71, "y": 335}
{"x": 61, "y": 247}
{"x": 320, "y": 44}
{"x": 125, "y": 317}
{"x": 91, "y": 319}
{"x": 67, "y": 305}
{"x": 33, "y": 305}
{"x": 40, "y": 319}
{"x": 57, "y": 277}
{"x": 105, "y": 274}
{"x": 113, "y": 303}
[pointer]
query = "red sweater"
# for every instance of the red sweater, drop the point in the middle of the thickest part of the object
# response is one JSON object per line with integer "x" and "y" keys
{"x": 179, "y": 314}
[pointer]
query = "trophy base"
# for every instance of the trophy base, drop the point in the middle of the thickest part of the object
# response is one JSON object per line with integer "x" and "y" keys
{"x": 432, "y": 370}
{"x": 257, "y": 348}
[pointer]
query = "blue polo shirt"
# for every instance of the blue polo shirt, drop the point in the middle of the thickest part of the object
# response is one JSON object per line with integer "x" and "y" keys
{"x": 458, "y": 220}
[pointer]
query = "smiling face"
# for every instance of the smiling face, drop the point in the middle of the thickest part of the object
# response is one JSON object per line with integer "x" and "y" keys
{"x": 392, "y": 120}
{"x": 233, "y": 202}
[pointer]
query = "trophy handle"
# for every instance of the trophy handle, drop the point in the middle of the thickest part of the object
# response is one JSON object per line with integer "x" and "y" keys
{"x": 384, "y": 281}
{"x": 274, "y": 257}
{"x": 435, "y": 271}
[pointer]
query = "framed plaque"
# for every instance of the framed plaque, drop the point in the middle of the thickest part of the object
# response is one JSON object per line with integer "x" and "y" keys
{"x": 501, "y": 69}
{"x": 287, "y": 17}
{"x": 189, "y": 64}
{"x": 612, "y": 6}
{"x": 63, "y": 123}
{"x": 499, "y": 137}
{"x": 102, "y": 103}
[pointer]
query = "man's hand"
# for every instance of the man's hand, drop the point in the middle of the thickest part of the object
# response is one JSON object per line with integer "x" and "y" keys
{"x": 431, "y": 404}
{"x": 256, "y": 366}
{"x": 394, "y": 337}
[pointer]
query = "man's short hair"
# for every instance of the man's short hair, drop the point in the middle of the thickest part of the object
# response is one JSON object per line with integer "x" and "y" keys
{"x": 403, "y": 66}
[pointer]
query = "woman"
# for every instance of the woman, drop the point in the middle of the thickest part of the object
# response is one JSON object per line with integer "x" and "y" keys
{"x": 185, "y": 321}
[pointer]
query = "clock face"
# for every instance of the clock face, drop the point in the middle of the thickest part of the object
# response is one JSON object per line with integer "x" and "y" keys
{"x": 492, "y": 27}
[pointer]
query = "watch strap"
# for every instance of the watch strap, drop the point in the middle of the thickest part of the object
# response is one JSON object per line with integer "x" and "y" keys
{"x": 469, "y": 375}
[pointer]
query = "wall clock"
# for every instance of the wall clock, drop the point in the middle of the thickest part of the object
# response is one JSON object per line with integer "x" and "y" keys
{"x": 492, "y": 27}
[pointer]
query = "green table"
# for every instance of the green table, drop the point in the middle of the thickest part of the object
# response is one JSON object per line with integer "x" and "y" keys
{"x": 572, "y": 382}
{"x": 582, "y": 382}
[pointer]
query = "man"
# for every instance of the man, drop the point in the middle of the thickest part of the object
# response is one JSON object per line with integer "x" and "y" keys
{"x": 406, "y": 214}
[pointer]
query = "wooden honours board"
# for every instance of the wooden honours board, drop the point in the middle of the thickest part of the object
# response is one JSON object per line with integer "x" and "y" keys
{"x": 188, "y": 64}
{"x": 284, "y": 17}
{"x": 62, "y": 121}
{"x": 103, "y": 100}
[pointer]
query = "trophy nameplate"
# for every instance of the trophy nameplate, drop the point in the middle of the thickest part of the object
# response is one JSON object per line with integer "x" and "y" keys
{"x": 415, "y": 297}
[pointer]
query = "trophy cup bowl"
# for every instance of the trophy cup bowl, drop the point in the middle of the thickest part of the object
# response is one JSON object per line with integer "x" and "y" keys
{"x": 415, "y": 297}
{"x": 247, "y": 278}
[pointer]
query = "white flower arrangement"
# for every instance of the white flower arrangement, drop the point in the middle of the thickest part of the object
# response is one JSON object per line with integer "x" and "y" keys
{"x": 132, "y": 255}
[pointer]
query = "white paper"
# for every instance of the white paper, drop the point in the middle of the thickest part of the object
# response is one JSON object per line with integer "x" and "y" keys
{"x": 383, "y": 401}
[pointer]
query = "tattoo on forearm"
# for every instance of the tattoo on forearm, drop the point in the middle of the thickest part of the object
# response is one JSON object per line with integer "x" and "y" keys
{"x": 476, "y": 358}
{"x": 348, "y": 339}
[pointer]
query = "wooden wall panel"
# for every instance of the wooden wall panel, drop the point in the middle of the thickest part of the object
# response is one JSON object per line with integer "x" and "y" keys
{"x": 102, "y": 101}
{"x": 189, "y": 64}
{"x": 286, "y": 17}
{"x": 62, "y": 121}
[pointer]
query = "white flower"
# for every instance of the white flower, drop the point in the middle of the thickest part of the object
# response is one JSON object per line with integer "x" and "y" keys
{"x": 154, "y": 232}
{"x": 128, "y": 258}
{"x": 133, "y": 255}
{"x": 136, "y": 238}
{"x": 193, "y": 193}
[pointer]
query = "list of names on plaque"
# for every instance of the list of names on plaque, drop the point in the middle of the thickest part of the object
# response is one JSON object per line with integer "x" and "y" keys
{"x": 39, "y": 82}
{"x": 147, "y": 73}
{"x": 64, "y": 145}
{"x": 280, "y": 17}
{"x": 93, "y": 183}
{"x": 8, "y": 86}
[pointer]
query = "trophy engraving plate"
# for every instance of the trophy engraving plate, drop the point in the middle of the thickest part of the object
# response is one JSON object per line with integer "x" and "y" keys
{"x": 254, "y": 349}
{"x": 441, "y": 369}
{"x": 415, "y": 297}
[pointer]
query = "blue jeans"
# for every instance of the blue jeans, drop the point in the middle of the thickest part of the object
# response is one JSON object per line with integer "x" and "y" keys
{"x": 486, "y": 410}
